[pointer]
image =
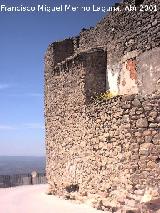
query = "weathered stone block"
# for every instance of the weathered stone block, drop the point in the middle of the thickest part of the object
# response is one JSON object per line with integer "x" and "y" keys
{"x": 142, "y": 123}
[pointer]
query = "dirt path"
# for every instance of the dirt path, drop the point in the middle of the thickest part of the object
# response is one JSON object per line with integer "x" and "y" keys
{"x": 32, "y": 199}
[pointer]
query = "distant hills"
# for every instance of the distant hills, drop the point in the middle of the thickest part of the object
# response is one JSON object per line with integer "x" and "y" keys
{"x": 21, "y": 164}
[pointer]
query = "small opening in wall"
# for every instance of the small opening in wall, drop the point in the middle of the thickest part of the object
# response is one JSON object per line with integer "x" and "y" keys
{"x": 100, "y": 168}
{"x": 158, "y": 160}
{"x": 138, "y": 2}
{"x": 72, "y": 188}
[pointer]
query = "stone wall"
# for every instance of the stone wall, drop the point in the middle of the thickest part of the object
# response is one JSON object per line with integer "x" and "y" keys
{"x": 109, "y": 148}
{"x": 125, "y": 35}
{"x": 103, "y": 148}
{"x": 106, "y": 146}
{"x": 85, "y": 73}
{"x": 125, "y": 31}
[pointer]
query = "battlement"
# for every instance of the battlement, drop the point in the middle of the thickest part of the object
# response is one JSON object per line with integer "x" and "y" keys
{"x": 127, "y": 38}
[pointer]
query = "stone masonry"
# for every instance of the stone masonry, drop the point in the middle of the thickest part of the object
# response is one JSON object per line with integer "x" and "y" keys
{"x": 108, "y": 149}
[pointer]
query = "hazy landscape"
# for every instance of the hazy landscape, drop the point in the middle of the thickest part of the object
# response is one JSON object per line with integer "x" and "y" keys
{"x": 21, "y": 164}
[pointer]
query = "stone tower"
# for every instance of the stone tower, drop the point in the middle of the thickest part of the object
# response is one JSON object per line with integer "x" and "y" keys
{"x": 101, "y": 147}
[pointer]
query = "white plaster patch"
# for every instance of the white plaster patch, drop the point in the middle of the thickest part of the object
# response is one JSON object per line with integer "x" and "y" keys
{"x": 113, "y": 81}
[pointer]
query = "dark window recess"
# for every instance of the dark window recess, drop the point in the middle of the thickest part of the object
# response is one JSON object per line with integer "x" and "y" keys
{"x": 138, "y": 2}
{"x": 72, "y": 188}
{"x": 158, "y": 160}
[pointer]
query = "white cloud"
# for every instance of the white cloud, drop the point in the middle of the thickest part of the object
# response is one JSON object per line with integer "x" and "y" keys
{"x": 7, "y": 127}
{"x": 27, "y": 95}
{"x": 22, "y": 126}
{"x": 34, "y": 126}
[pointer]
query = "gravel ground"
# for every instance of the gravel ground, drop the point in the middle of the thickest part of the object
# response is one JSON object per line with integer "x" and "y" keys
{"x": 32, "y": 199}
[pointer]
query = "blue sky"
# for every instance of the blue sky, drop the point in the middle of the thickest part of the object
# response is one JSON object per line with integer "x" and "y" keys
{"x": 24, "y": 38}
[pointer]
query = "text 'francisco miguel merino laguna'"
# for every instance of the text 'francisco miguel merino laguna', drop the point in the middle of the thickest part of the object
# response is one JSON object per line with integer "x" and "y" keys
{"x": 60, "y": 8}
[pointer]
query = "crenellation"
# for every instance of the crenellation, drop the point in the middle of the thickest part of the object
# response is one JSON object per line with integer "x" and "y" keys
{"x": 59, "y": 51}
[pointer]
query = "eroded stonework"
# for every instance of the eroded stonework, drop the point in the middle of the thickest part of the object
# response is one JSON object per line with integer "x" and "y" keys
{"x": 108, "y": 149}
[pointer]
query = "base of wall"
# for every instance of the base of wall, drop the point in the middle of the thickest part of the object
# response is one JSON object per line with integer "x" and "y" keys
{"x": 145, "y": 201}
{"x": 111, "y": 158}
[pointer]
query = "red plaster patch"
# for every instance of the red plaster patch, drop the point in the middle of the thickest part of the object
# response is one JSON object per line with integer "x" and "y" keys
{"x": 131, "y": 67}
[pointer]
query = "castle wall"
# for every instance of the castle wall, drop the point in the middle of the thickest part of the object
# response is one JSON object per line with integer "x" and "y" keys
{"x": 98, "y": 147}
{"x": 105, "y": 147}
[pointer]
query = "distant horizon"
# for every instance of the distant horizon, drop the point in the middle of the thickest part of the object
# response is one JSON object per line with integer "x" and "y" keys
{"x": 10, "y": 165}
